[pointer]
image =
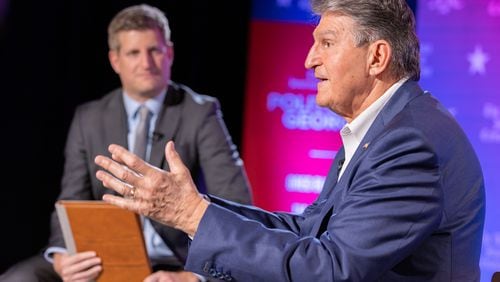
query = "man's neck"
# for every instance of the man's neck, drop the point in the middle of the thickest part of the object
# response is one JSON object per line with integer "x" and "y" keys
{"x": 142, "y": 97}
{"x": 376, "y": 90}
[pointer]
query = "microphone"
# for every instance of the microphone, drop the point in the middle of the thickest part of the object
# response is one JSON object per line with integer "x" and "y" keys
{"x": 157, "y": 136}
{"x": 341, "y": 163}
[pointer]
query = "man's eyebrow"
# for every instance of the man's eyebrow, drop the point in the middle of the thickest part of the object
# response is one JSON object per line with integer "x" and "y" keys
{"x": 130, "y": 51}
{"x": 327, "y": 32}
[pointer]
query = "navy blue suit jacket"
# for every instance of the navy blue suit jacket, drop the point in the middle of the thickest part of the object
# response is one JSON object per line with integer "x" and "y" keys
{"x": 409, "y": 207}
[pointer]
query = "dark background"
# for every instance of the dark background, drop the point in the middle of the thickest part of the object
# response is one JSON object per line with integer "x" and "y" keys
{"x": 53, "y": 56}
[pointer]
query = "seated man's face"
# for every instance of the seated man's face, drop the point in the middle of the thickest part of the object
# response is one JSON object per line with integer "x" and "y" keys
{"x": 143, "y": 61}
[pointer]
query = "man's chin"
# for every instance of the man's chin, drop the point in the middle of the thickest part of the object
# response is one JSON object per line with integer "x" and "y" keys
{"x": 151, "y": 90}
{"x": 150, "y": 93}
{"x": 321, "y": 101}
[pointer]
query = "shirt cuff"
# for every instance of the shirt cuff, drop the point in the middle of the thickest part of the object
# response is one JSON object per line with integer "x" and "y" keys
{"x": 49, "y": 253}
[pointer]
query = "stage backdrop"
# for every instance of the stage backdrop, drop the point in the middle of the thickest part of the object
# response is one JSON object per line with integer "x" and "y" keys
{"x": 289, "y": 142}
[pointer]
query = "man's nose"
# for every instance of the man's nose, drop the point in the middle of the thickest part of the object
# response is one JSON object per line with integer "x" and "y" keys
{"x": 312, "y": 59}
{"x": 147, "y": 60}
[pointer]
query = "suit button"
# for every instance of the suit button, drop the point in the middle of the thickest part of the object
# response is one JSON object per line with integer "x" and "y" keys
{"x": 228, "y": 277}
{"x": 207, "y": 267}
{"x": 212, "y": 272}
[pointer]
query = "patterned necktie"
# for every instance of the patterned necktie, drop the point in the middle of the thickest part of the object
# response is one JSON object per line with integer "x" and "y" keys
{"x": 142, "y": 132}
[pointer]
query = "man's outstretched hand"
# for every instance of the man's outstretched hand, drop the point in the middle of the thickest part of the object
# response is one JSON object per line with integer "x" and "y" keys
{"x": 169, "y": 197}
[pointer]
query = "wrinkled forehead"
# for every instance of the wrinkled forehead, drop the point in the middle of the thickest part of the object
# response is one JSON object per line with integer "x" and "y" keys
{"x": 334, "y": 24}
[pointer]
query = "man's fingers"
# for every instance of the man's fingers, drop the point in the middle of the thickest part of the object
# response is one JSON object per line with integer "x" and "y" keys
{"x": 124, "y": 203}
{"x": 80, "y": 262}
{"x": 161, "y": 276}
{"x": 173, "y": 159}
{"x": 88, "y": 274}
{"x": 82, "y": 266}
{"x": 120, "y": 171}
{"x": 70, "y": 260}
{"x": 113, "y": 183}
{"x": 123, "y": 156}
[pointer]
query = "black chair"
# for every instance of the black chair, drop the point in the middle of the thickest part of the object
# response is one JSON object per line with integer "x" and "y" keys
{"x": 495, "y": 277}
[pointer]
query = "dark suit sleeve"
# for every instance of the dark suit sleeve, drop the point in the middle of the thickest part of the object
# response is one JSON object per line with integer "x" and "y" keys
{"x": 391, "y": 201}
{"x": 275, "y": 220}
{"x": 222, "y": 167}
{"x": 75, "y": 183}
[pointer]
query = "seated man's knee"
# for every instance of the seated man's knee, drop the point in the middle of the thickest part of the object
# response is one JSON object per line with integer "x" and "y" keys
{"x": 33, "y": 269}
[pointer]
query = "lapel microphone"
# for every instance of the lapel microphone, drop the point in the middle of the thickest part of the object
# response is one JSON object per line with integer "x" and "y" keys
{"x": 341, "y": 163}
{"x": 157, "y": 136}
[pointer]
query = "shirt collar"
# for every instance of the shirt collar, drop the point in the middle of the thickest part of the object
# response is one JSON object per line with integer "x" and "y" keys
{"x": 154, "y": 104}
{"x": 360, "y": 125}
{"x": 352, "y": 133}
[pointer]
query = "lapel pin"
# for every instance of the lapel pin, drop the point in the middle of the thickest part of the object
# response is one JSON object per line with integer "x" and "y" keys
{"x": 366, "y": 146}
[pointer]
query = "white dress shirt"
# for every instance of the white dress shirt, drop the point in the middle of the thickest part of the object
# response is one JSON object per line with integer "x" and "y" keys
{"x": 352, "y": 133}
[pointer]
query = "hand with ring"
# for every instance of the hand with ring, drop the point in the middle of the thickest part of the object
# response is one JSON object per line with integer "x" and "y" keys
{"x": 169, "y": 197}
{"x": 131, "y": 193}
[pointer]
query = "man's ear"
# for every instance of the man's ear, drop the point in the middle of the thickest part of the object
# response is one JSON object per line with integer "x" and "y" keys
{"x": 170, "y": 53}
{"x": 113, "y": 60}
{"x": 379, "y": 57}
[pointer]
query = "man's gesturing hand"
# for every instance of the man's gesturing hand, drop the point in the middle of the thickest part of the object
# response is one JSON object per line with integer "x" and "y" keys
{"x": 168, "y": 197}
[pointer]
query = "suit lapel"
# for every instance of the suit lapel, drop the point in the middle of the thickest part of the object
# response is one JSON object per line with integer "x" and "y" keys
{"x": 115, "y": 113}
{"x": 331, "y": 178}
{"x": 167, "y": 124}
{"x": 114, "y": 127}
{"x": 398, "y": 101}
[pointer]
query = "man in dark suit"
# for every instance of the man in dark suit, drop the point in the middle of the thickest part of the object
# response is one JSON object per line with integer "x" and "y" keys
{"x": 141, "y": 53}
{"x": 403, "y": 201}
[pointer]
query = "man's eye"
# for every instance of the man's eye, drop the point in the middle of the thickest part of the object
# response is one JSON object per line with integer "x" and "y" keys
{"x": 133, "y": 54}
{"x": 157, "y": 51}
{"x": 326, "y": 44}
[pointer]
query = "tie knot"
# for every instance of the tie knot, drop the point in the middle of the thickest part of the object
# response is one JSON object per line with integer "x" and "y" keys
{"x": 143, "y": 112}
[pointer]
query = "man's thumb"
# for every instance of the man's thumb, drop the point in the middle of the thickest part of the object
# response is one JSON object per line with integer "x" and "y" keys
{"x": 173, "y": 159}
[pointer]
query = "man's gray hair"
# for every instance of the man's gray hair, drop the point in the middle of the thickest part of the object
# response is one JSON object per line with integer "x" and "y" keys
{"x": 390, "y": 20}
{"x": 138, "y": 17}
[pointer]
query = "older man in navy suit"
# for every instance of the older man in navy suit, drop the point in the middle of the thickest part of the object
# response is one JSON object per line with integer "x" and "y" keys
{"x": 404, "y": 200}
